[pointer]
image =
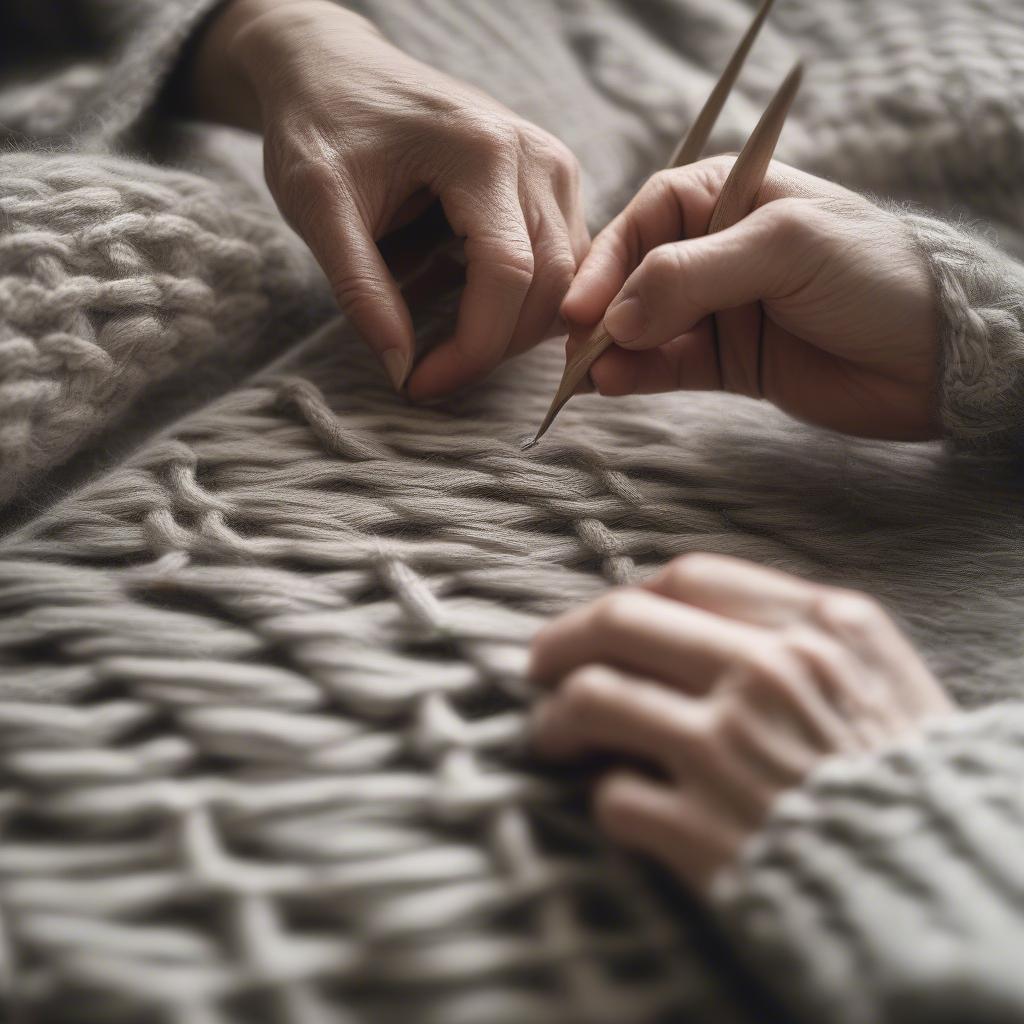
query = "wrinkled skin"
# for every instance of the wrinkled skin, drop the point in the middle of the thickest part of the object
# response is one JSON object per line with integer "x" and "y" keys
{"x": 731, "y": 682}
{"x": 837, "y": 286}
{"x": 360, "y": 138}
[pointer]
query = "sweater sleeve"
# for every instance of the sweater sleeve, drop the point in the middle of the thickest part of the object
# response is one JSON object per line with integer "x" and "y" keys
{"x": 114, "y": 274}
{"x": 92, "y": 70}
{"x": 891, "y": 888}
{"x": 980, "y": 295}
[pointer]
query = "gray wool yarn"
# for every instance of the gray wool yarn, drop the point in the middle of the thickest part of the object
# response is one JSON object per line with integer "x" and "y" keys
{"x": 261, "y": 695}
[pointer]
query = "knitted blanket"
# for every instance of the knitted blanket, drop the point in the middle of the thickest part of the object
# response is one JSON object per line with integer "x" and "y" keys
{"x": 261, "y": 701}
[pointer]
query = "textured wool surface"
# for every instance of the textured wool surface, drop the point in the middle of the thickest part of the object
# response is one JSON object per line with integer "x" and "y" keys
{"x": 261, "y": 695}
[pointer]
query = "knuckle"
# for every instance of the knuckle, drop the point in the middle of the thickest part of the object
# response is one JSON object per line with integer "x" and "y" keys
{"x": 848, "y": 614}
{"x": 800, "y": 225}
{"x": 563, "y": 161}
{"x": 768, "y": 669}
{"x": 304, "y": 187}
{"x": 711, "y": 173}
{"x": 690, "y": 571}
{"x": 720, "y": 162}
{"x": 697, "y": 735}
{"x": 728, "y": 719}
{"x": 799, "y": 642}
{"x": 493, "y": 138}
{"x": 517, "y": 259}
{"x": 789, "y": 219}
{"x": 559, "y": 269}
{"x": 816, "y": 653}
{"x": 611, "y": 805}
{"x": 662, "y": 268}
{"x": 509, "y": 259}
{"x": 662, "y": 182}
{"x": 586, "y": 688}
{"x": 356, "y": 292}
{"x": 616, "y": 810}
{"x": 616, "y": 612}
{"x": 540, "y": 145}
{"x": 307, "y": 178}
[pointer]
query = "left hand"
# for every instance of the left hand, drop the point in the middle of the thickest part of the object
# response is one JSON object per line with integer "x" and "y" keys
{"x": 359, "y": 140}
{"x": 733, "y": 681}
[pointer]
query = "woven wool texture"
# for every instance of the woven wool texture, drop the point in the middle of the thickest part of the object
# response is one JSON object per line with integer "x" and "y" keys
{"x": 111, "y": 277}
{"x": 261, "y": 695}
{"x": 281, "y": 740}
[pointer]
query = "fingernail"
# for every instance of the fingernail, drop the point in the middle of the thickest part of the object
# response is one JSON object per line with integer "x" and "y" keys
{"x": 626, "y": 320}
{"x": 396, "y": 364}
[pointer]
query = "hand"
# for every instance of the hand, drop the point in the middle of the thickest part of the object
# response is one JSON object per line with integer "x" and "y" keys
{"x": 829, "y": 308}
{"x": 733, "y": 681}
{"x": 359, "y": 138}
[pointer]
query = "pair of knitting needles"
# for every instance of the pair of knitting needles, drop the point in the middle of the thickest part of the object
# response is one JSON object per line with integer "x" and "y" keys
{"x": 737, "y": 197}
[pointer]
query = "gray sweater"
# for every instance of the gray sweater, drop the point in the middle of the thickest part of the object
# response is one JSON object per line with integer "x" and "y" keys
{"x": 887, "y": 888}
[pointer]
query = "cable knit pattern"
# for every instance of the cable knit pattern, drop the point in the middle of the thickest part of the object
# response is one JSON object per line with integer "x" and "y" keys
{"x": 113, "y": 275}
{"x": 261, "y": 703}
{"x": 893, "y": 886}
{"x": 981, "y": 301}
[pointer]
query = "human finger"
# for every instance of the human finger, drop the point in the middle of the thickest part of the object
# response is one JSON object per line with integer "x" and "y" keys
{"x": 688, "y": 837}
{"x": 554, "y": 266}
{"x": 644, "y": 633}
{"x": 687, "y": 362}
{"x": 775, "y": 251}
{"x": 742, "y": 590}
{"x": 499, "y": 272}
{"x": 360, "y": 279}
{"x": 597, "y": 707}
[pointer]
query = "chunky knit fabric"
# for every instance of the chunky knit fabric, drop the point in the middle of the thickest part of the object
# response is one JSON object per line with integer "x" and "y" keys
{"x": 261, "y": 701}
{"x": 113, "y": 276}
{"x": 892, "y": 886}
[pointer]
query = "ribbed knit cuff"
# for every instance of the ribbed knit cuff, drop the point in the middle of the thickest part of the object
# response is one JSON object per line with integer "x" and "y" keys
{"x": 891, "y": 887}
{"x": 980, "y": 294}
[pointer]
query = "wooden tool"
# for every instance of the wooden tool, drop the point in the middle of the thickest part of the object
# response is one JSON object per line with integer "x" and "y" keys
{"x": 736, "y": 199}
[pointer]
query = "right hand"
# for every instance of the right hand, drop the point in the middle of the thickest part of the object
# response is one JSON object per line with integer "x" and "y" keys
{"x": 359, "y": 138}
{"x": 734, "y": 682}
{"x": 825, "y": 306}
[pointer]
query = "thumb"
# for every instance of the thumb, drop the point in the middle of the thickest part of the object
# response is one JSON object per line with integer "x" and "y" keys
{"x": 678, "y": 285}
{"x": 363, "y": 286}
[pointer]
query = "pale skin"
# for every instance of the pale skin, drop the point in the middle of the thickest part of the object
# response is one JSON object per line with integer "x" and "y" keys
{"x": 727, "y": 681}
{"x": 731, "y": 682}
{"x": 360, "y": 138}
{"x": 831, "y": 284}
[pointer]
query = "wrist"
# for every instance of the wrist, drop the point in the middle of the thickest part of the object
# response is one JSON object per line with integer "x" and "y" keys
{"x": 244, "y": 49}
{"x": 270, "y": 39}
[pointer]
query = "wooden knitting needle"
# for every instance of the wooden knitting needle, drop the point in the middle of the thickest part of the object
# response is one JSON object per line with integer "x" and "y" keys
{"x": 688, "y": 151}
{"x": 693, "y": 142}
